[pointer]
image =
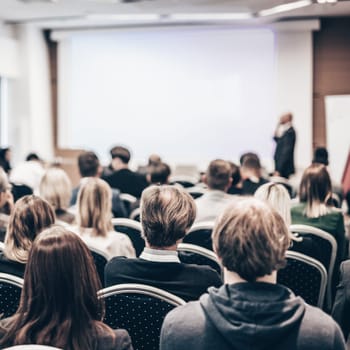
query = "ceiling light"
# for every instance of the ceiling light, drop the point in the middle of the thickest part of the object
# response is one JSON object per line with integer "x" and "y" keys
{"x": 285, "y": 7}
{"x": 124, "y": 17}
{"x": 210, "y": 16}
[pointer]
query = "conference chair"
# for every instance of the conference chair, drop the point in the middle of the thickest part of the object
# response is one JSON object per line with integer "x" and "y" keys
{"x": 136, "y": 215}
{"x": 140, "y": 309}
{"x": 32, "y": 347}
{"x": 305, "y": 276}
{"x": 100, "y": 259}
{"x": 10, "y": 294}
{"x": 285, "y": 182}
{"x": 2, "y": 246}
{"x": 132, "y": 229}
{"x": 200, "y": 234}
{"x": 196, "y": 191}
{"x": 194, "y": 254}
{"x": 321, "y": 246}
{"x": 129, "y": 202}
{"x": 185, "y": 181}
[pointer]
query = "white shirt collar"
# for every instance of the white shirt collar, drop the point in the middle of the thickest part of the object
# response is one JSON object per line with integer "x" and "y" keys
{"x": 160, "y": 255}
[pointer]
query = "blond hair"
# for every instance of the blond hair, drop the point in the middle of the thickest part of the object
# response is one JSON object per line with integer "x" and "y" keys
{"x": 31, "y": 214}
{"x": 95, "y": 206}
{"x": 251, "y": 239}
{"x": 167, "y": 213}
{"x": 278, "y": 197}
{"x": 56, "y": 188}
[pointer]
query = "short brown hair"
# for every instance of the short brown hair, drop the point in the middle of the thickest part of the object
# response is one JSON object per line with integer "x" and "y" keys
{"x": 218, "y": 174}
{"x": 251, "y": 239}
{"x": 167, "y": 212}
{"x": 88, "y": 164}
{"x": 122, "y": 153}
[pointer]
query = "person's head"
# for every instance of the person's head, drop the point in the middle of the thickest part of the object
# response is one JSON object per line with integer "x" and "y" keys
{"x": 251, "y": 239}
{"x": 121, "y": 153}
{"x": 59, "y": 304}
{"x": 278, "y": 197}
{"x": 95, "y": 206}
{"x": 5, "y": 159}
{"x": 89, "y": 164}
{"x": 247, "y": 155}
{"x": 218, "y": 175}
{"x": 251, "y": 166}
{"x": 320, "y": 156}
{"x": 235, "y": 174}
{"x": 56, "y": 188}
{"x": 5, "y": 188}
{"x": 32, "y": 156}
{"x": 31, "y": 214}
{"x": 315, "y": 190}
{"x": 160, "y": 174}
{"x": 167, "y": 213}
{"x": 286, "y": 118}
{"x": 154, "y": 159}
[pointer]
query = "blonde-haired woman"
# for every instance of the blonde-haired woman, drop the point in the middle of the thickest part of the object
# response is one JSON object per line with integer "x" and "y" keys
{"x": 94, "y": 217}
{"x": 56, "y": 188}
{"x": 31, "y": 214}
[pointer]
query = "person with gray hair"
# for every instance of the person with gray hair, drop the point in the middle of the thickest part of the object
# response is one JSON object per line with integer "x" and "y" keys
{"x": 251, "y": 311}
{"x": 167, "y": 213}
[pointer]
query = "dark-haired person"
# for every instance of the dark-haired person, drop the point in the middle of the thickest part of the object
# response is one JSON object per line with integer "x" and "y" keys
{"x": 159, "y": 174}
{"x": 285, "y": 138}
{"x": 251, "y": 174}
{"x": 5, "y": 159}
{"x": 316, "y": 209}
{"x": 122, "y": 178}
{"x": 236, "y": 185}
{"x": 59, "y": 305}
{"x": 167, "y": 213}
{"x": 213, "y": 202}
{"x": 251, "y": 311}
{"x": 89, "y": 166}
{"x": 30, "y": 215}
{"x": 6, "y": 203}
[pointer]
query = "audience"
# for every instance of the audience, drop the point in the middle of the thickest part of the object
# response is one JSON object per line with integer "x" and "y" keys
{"x": 6, "y": 203}
{"x": 153, "y": 161}
{"x": 236, "y": 185}
{"x": 59, "y": 305}
{"x": 56, "y": 188}
{"x": 89, "y": 166}
{"x": 5, "y": 159}
{"x": 213, "y": 202}
{"x": 251, "y": 174}
{"x": 167, "y": 213}
{"x": 94, "y": 220}
{"x": 314, "y": 209}
{"x": 159, "y": 174}
{"x": 122, "y": 177}
{"x": 30, "y": 215}
{"x": 28, "y": 173}
{"x": 251, "y": 311}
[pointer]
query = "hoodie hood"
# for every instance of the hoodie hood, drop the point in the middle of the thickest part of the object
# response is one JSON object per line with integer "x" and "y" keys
{"x": 253, "y": 315}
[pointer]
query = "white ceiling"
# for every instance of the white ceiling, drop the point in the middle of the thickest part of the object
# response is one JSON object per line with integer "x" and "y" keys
{"x": 65, "y": 13}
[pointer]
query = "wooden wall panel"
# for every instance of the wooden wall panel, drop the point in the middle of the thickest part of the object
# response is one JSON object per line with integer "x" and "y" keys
{"x": 331, "y": 69}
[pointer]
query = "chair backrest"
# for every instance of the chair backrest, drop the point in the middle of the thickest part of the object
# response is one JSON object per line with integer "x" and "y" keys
{"x": 10, "y": 294}
{"x": 32, "y": 347}
{"x": 200, "y": 234}
{"x": 194, "y": 254}
{"x": 136, "y": 215}
{"x": 2, "y": 246}
{"x": 305, "y": 276}
{"x": 185, "y": 181}
{"x": 133, "y": 230}
{"x": 129, "y": 201}
{"x": 139, "y": 309}
{"x": 196, "y": 191}
{"x": 322, "y": 247}
{"x": 101, "y": 259}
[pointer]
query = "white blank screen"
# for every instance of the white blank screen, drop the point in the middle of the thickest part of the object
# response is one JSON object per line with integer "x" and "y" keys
{"x": 189, "y": 94}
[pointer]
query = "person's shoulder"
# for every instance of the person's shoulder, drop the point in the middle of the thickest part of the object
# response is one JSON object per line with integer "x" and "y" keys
{"x": 120, "y": 261}
{"x": 202, "y": 273}
{"x": 113, "y": 339}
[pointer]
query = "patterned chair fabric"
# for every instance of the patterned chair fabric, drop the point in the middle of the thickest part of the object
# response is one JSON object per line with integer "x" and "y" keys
{"x": 193, "y": 254}
{"x": 10, "y": 294}
{"x": 32, "y": 347}
{"x": 200, "y": 234}
{"x": 132, "y": 229}
{"x": 321, "y": 246}
{"x": 140, "y": 310}
{"x": 305, "y": 276}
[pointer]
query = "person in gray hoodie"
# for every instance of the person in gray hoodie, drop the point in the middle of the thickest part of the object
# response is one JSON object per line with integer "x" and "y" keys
{"x": 250, "y": 311}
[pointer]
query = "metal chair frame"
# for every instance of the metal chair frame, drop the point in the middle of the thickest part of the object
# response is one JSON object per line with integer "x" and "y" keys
{"x": 316, "y": 264}
{"x": 301, "y": 229}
